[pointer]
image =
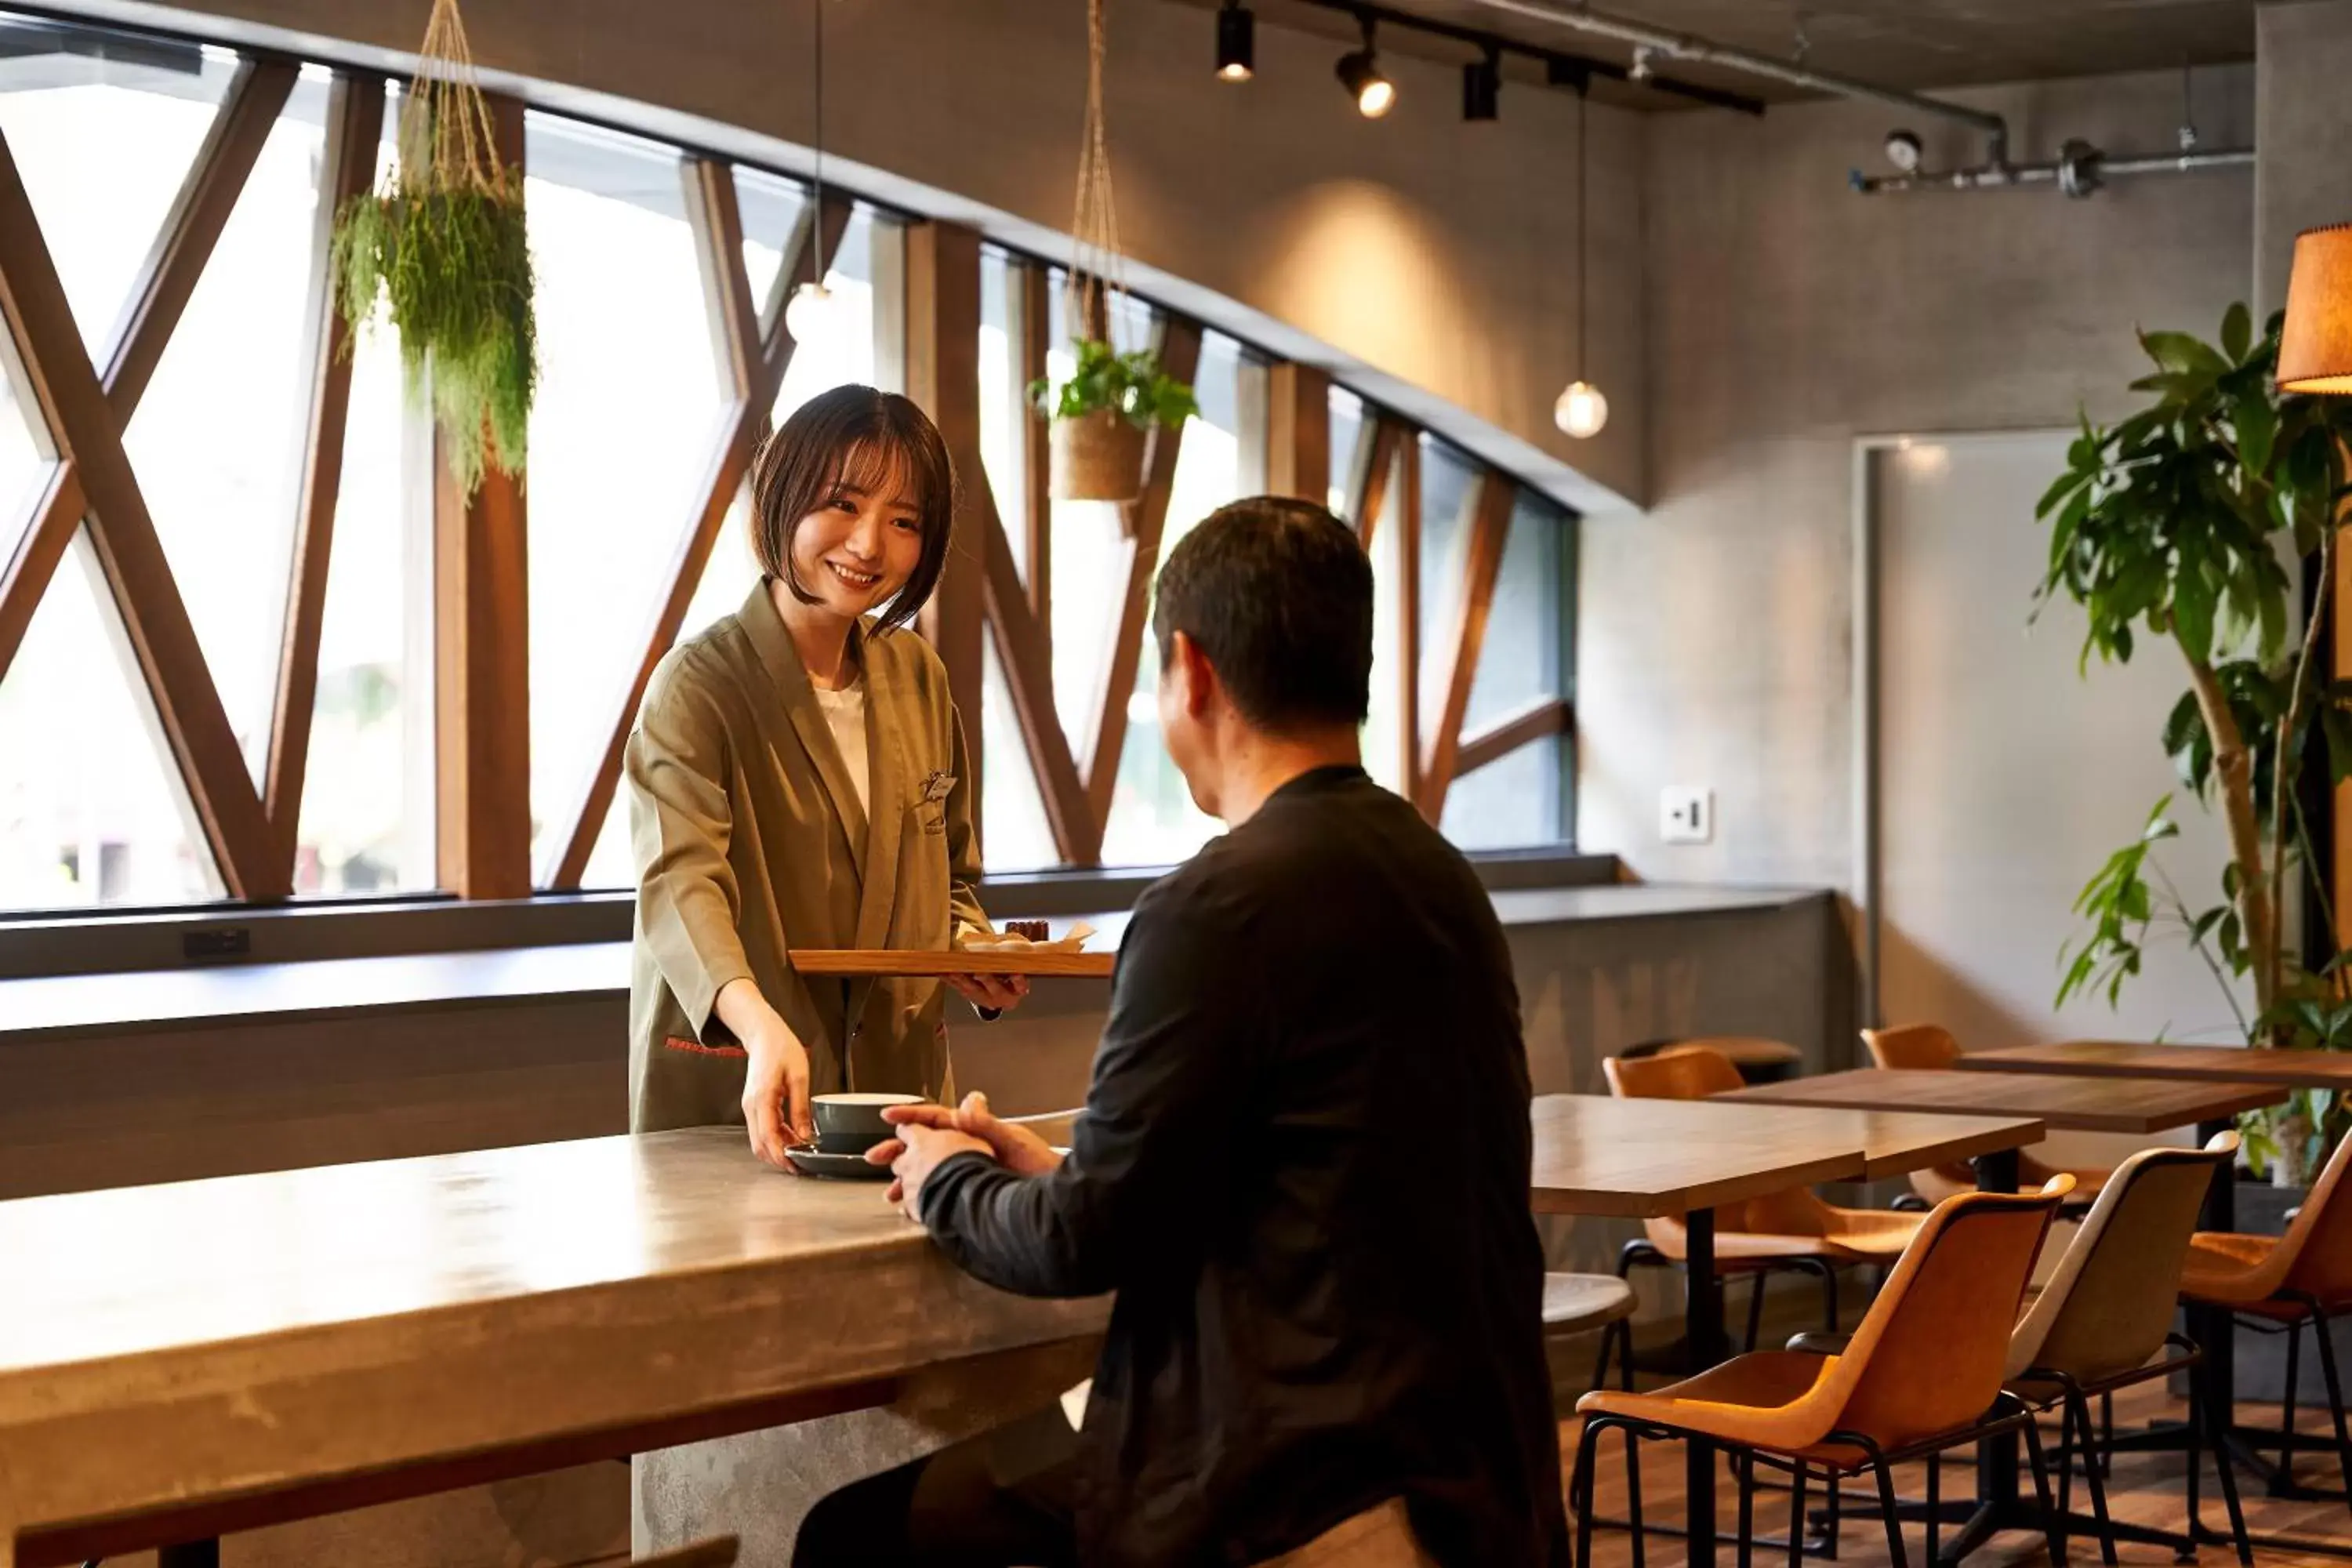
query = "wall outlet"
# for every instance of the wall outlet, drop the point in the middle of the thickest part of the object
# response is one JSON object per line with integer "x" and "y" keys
{"x": 1686, "y": 815}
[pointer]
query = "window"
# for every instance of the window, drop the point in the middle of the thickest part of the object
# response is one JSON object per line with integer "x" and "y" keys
{"x": 856, "y": 345}
{"x": 105, "y": 126}
{"x": 91, "y": 810}
{"x": 1153, "y": 821}
{"x": 366, "y": 823}
{"x": 217, "y": 440}
{"x": 1523, "y": 796}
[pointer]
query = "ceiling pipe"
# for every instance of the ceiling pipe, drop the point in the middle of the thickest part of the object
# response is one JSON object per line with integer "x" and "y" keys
{"x": 1688, "y": 47}
{"x": 2078, "y": 170}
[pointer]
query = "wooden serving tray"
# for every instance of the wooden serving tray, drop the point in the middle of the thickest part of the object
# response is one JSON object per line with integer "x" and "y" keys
{"x": 894, "y": 961}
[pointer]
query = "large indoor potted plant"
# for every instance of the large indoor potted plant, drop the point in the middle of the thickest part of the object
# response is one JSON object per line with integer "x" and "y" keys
{"x": 2175, "y": 525}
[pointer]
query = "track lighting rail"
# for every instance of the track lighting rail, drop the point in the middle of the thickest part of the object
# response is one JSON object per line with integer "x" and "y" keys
{"x": 1561, "y": 68}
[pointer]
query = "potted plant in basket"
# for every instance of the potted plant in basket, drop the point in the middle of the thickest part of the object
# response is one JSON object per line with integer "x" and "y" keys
{"x": 1101, "y": 416}
{"x": 2172, "y": 525}
{"x": 443, "y": 245}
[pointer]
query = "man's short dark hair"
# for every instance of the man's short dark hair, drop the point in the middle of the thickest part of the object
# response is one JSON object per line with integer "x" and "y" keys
{"x": 1278, "y": 595}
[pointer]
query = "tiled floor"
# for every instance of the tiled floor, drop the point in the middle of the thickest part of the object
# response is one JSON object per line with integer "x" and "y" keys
{"x": 2145, "y": 1488}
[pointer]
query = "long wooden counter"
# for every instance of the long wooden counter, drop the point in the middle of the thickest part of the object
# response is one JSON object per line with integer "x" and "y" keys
{"x": 180, "y": 1361}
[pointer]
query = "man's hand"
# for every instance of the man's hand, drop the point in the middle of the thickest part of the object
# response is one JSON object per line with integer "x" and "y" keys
{"x": 1011, "y": 1145}
{"x": 997, "y": 992}
{"x": 919, "y": 1151}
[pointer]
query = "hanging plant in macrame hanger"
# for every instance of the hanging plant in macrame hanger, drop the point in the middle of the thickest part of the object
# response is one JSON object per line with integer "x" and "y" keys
{"x": 444, "y": 245}
{"x": 1117, "y": 394}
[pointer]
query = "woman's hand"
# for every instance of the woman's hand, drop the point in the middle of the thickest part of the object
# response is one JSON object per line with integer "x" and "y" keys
{"x": 997, "y": 992}
{"x": 776, "y": 1078}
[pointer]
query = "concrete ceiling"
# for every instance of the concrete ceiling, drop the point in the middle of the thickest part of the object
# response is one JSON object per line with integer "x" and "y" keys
{"x": 1919, "y": 44}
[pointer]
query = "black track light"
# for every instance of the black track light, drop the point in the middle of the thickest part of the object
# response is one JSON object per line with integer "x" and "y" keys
{"x": 1482, "y": 87}
{"x": 1236, "y": 42}
{"x": 1359, "y": 73}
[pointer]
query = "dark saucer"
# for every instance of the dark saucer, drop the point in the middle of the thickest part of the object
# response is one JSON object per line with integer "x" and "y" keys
{"x": 840, "y": 1167}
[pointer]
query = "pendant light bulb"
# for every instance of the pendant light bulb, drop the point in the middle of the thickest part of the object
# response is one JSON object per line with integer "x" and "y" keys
{"x": 808, "y": 312}
{"x": 1581, "y": 411}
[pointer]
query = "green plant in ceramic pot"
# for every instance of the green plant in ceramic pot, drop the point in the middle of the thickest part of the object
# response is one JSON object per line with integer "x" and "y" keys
{"x": 443, "y": 245}
{"x": 2174, "y": 525}
{"x": 1101, "y": 415}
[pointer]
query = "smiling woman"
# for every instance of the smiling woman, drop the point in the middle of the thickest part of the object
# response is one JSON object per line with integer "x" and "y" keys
{"x": 799, "y": 778}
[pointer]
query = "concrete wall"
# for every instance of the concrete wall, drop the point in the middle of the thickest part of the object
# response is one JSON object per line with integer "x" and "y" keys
{"x": 1437, "y": 254}
{"x": 1786, "y": 315}
{"x": 2303, "y": 174}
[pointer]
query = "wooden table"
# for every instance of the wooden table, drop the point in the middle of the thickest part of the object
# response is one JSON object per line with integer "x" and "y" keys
{"x": 1645, "y": 1159}
{"x": 178, "y": 1362}
{"x": 2204, "y": 1064}
{"x": 2141, "y": 1106}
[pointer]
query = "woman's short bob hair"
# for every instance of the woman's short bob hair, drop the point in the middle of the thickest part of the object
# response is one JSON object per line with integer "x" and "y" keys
{"x": 863, "y": 438}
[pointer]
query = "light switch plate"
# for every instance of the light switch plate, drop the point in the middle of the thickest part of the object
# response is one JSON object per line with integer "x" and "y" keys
{"x": 1686, "y": 815}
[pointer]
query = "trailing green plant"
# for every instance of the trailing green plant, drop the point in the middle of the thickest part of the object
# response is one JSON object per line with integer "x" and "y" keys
{"x": 1131, "y": 386}
{"x": 2173, "y": 524}
{"x": 444, "y": 246}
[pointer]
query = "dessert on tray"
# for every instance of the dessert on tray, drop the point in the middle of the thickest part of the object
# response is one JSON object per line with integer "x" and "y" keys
{"x": 1027, "y": 936}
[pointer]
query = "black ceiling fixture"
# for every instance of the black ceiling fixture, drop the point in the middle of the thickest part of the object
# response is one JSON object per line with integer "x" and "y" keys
{"x": 1359, "y": 72}
{"x": 1482, "y": 87}
{"x": 1560, "y": 69}
{"x": 1236, "y": 42}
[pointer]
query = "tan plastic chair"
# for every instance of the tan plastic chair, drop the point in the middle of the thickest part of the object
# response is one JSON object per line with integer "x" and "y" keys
{"x": 2105, "y": 1316}
{"x": 1790, "y": 1229}
{"x": 1923, "y": 1374}
{"x": 1929, "y": 1047}
{"x": 2287, "y": 1283}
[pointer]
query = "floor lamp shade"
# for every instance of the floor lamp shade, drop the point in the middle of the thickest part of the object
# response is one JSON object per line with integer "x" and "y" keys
{"x": 2316, "y": 345}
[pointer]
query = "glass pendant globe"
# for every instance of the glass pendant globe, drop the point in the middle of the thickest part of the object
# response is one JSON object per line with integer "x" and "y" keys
{"x": 808, "y": 312}
{"x": 1581, "y": 411}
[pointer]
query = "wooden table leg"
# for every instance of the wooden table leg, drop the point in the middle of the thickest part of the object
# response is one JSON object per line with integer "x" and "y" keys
{"x": 1703, "y": 1338}
{"x": 190, "y": 1554}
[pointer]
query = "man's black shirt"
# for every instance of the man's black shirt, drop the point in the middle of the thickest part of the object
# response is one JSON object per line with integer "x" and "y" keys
{"x": 1303, "y": 1167}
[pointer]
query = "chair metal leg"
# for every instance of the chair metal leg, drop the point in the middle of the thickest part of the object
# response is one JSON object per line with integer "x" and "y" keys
{"x": 2065, "y": 1482}
{"x": 2082, "y": 1409}
{"x": 1743, "y": 1471}
{"x": 2205, "y": 1415}
{"x": 1797, "y": 1515}
{"x": 2107, "y": 1434}
{"x": 2335, "y": 1394}
{"x": 1756, "y": 1307}
{"x": 1935, "y": 1508}
{"x": 2287, "y": 1402}
{"x": 2191, "y": 1497}
{"x": 1580, "y": 1492}
{"x": 1609, "y": 1337}
{"x": 1837, "y": 1511}
{"x": 1895, "y": 1552}
{"x": 1634, "y": 1498}
{"x": 2052, "y": 1536}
